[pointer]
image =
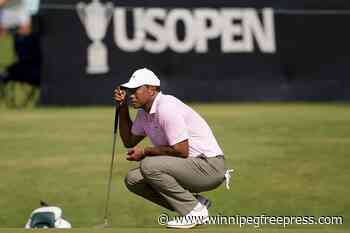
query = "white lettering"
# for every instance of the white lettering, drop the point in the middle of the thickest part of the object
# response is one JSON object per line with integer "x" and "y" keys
{"x": 156, "y": 30}
{"x": 120, "y": 31}
{"x": 264, "y": 37}
{"x": 171, "y": 24}
{"x": 205, "y": 31}
{"x": 234, "y": 34}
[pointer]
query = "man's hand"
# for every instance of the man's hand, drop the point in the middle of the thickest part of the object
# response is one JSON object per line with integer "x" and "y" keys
{"x": 25, "y": 29}
{"x": 135, "y": 154}
{"x": 2, "y": 2}
{"x": 3, "y": 32}
{"x": 119, "y": 95}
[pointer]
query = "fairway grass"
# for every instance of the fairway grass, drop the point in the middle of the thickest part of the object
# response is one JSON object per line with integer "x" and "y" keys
{"x": 7, "y": 55}
{"x": 196, "y": 230}
{"x": 289, "y": 160}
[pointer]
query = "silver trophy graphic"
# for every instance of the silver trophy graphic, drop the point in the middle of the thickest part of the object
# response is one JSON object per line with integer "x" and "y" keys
{"x": 96, "y": 16}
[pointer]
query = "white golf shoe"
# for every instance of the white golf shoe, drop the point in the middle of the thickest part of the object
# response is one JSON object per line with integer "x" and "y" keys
{"x": 199, "y": 215}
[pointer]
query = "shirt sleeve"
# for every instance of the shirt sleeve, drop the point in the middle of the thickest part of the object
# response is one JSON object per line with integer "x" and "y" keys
{"x": 174, "y": 126}
{"x": 137, "y": 125}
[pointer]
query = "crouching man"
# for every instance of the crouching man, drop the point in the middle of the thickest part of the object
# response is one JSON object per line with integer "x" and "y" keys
{"x": 185, "y": 158}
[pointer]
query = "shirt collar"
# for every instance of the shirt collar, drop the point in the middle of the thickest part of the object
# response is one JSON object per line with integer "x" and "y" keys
{"x": 154, "y": 107}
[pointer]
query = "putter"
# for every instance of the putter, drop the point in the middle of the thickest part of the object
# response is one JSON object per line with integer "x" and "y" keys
{"x": 106, "y": 214}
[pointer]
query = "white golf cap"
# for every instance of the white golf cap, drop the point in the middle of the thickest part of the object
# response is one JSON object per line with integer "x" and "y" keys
{"x": 142, "y": 77}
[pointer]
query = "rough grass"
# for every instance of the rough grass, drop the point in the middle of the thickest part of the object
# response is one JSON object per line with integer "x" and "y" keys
{"x": 290, "y": 160}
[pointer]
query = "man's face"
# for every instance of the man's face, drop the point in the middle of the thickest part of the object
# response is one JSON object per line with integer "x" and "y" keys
{"x": 140, "y": 96}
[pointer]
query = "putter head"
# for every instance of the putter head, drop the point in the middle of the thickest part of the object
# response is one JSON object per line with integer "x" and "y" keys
{"x": 43, "y": 203}
{"x": 104, "y": 225}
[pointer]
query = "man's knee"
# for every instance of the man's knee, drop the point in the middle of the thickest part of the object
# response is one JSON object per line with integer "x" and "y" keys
{"x": 133, "y": 178}
{"x": 149, "y": 166}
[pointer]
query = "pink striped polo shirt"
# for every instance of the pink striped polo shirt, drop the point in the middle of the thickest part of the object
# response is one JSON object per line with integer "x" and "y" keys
{"x": 170, "y": 121}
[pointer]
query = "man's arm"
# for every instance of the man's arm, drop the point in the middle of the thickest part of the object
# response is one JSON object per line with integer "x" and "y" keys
{"x": 2, "y": 2}
{"x": 125, "y": 125}
{"x": 178, "y": 150}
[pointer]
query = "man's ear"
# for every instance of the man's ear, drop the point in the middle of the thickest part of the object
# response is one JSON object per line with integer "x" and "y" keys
{"x": 153, "y": 89}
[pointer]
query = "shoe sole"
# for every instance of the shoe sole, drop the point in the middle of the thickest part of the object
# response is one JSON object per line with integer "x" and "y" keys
{"x": 182, "y": 226}
{"x": 204, "y": 221}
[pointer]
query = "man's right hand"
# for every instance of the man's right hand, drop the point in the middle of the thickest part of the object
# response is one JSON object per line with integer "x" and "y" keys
{"x": 2, "y": 2}
{"x": 119, "y": 96}
{"x": 3, "y": 32}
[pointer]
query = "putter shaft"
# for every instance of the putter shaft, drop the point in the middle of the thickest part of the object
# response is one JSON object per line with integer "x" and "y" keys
{"x": 116, "y": 119}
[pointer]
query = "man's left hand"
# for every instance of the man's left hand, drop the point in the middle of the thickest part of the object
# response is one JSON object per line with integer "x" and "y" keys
{"x": 135, "y": 154}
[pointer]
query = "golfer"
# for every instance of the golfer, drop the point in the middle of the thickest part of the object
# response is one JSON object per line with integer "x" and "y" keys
{"x": 185, "y": 158}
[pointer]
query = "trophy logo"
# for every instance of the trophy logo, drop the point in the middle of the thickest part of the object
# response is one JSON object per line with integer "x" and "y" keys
{"x": 95, "y": 17}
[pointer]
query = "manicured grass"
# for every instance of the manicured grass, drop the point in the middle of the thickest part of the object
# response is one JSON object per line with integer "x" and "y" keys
{"x": 200, "y": 230}
{"x": 7, "y": 55}
{"x": 290, "y": 160}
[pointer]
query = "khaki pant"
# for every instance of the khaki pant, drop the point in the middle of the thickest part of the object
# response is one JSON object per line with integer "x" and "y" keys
{"x": 171, "y": 181}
